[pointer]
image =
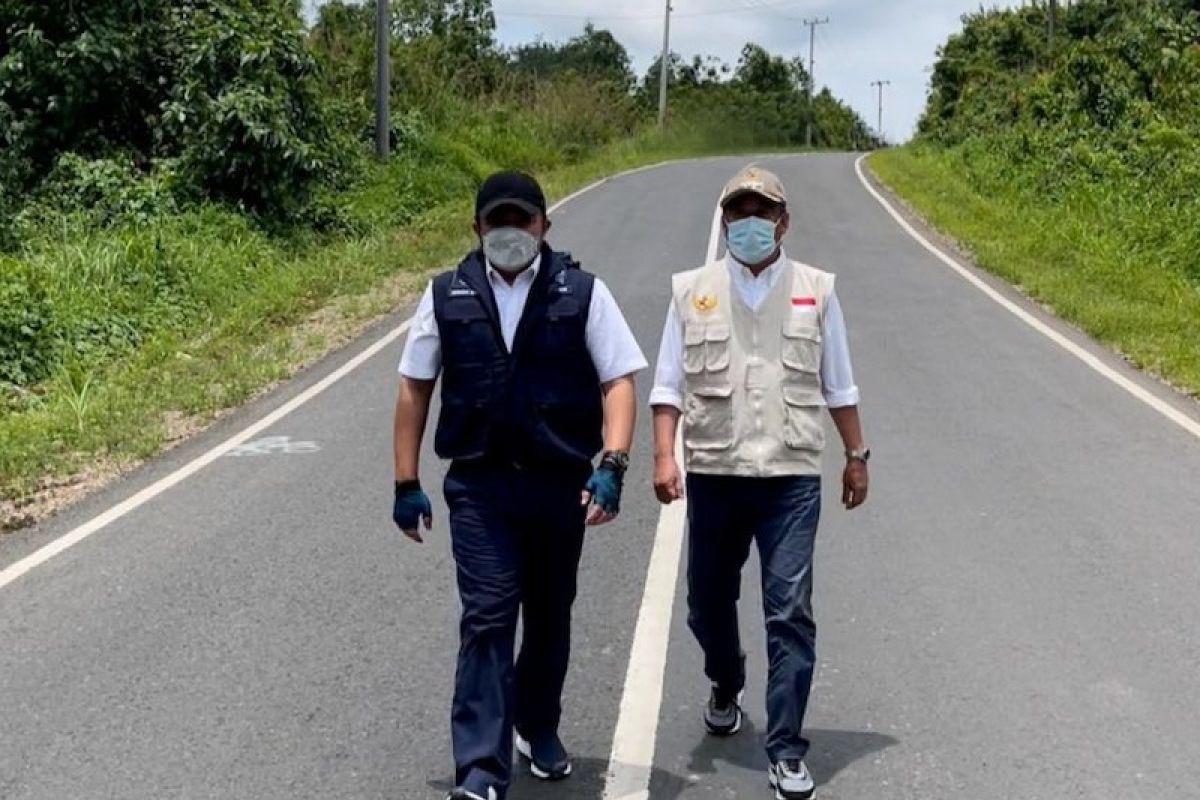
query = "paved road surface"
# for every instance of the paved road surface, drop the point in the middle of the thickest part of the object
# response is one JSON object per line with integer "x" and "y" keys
{"x": 1013, "y": 613}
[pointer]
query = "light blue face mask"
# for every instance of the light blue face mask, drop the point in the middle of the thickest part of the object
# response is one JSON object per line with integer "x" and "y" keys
{"x": 751, "y": 240}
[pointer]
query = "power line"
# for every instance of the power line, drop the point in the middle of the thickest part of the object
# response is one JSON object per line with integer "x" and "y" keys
{"x": 734, "y": 9}
{"x": 774, "y": 10}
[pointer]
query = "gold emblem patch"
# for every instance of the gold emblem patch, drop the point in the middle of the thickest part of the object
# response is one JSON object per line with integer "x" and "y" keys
{"x": 705, "y": 302}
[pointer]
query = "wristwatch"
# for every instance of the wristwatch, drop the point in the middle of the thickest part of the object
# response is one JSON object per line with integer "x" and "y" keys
{"x": 616, "y": 461}
{"x": 862, "y": 454}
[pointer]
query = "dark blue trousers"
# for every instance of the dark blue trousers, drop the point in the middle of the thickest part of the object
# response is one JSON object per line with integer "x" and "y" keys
{"x": 724, "y": 515}
{"x": 517, "y": 537}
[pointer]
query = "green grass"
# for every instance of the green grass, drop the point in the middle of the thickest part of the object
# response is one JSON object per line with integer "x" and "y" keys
{"x": 199, "y": 312}
{"x": 1099, "y": 256}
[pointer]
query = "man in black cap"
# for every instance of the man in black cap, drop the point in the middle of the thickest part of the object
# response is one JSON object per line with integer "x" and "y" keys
{"x": 537, "y": 366}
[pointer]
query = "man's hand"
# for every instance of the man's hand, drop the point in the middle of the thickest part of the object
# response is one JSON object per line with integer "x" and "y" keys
{"x": 412, "y": 508}
{"x": 668, "y": 480}
{"x": 603, "y": 494}
{"x": 854, "y": 483}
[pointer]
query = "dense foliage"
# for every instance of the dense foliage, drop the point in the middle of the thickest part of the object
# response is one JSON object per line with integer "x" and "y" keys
{"x": 1103, "y": 120}
{"x": 763, "y": 100}
{"x": 225, "y": 89}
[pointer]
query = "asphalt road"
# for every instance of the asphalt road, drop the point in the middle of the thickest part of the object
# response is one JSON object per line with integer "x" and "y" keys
{"x": 1013, "y": 613}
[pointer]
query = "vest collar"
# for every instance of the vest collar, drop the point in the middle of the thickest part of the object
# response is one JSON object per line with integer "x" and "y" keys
{"x": 742, "y": 274}
{"x": 474, "y": 272}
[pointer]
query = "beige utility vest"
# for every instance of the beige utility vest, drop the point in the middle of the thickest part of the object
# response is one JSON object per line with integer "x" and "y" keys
{"x": 753, "y": 399}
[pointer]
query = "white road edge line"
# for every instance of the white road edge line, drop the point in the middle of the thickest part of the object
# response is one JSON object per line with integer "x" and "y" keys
{"x": 631, "y": 762}
{"x": 44, "y": 554}
{"x": 1164, "y": 408}
{"x": 99, "y": 522}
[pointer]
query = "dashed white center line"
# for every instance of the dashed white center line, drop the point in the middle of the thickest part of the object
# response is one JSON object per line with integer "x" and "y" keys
{"x": 631, "y": 762}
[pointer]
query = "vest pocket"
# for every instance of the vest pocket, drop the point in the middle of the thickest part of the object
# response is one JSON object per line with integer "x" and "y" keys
{"x": 802, "y": 428}
{"x": 716, "y": 348}
{"x": 693, "y": 349}
{"x": 801, "y": 347}
{"x": 706, "y": 348}
{"x": 708, "y": 418}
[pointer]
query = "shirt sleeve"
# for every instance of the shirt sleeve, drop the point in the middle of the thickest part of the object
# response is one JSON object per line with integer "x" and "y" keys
{"x": 837, "y": 373}
{"x": 614, "y": 350}
{"x": 422, "y": 358}
{"x": 669, "y": 376}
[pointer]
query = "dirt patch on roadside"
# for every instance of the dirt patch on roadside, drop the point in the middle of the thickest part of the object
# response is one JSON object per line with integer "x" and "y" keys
{"x": 325, "y": 331}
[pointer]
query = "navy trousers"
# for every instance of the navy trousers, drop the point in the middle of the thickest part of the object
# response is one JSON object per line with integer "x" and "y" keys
{"x": 517, "y": 536}
{"x": 725, "y": 514}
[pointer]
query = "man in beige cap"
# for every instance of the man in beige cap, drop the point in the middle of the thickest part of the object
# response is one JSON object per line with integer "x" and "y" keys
{"x": 754, "y": 347}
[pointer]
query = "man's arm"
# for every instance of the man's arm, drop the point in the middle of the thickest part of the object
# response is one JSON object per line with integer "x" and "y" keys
{"x": 412, "y": 412}
{"x": 617, "y": 358}
{"x": 667, "y": 401}
{"x": 412, "y": 507}
{"x": 620, "y": 413}
{"x": 668, "y": 480}
{"x": 419, "y": 367}
{"x": 855, "y": 479}
{"x": 849, "y": 426}
{"x": 841, "y": 393}
{"x": 620, "y": 416}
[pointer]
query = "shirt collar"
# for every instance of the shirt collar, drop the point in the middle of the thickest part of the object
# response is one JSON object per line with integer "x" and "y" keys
{"x": 532, "y": 272}
{"x": 741, "y": 271}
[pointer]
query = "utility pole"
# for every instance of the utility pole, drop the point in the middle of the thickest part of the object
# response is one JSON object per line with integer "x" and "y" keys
{"x": 879, "y": 124}
{"x": 812, "y": 41}
{"x": 383, "y": 79}
{"x": 663, "y": 67}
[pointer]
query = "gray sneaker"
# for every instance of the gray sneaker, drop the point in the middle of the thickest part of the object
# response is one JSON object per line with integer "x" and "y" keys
{"x": 723, "y": 714}
{"x": 791, "y": 780}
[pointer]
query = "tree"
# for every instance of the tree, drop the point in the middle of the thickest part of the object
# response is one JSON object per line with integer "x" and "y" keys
{"x": 83, "y": 76}
{"x": 446, "y": 42}
{"x": 245, "y": 114}
{"x": 763, "y": 72}
{"x": 343, "y": 41}
{"x": 594, "y": 54}
{"x": 699, "y": 72}
{"x": 227, "y": 87}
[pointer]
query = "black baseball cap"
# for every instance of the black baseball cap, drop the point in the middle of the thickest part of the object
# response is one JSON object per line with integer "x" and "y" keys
{"x": 510, "y": 189}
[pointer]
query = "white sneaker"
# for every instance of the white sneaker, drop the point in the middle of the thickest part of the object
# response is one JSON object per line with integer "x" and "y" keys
{"x": 548, "y": 759}
{"x": 791, "y": 780}
{"x": 462, "y": 794}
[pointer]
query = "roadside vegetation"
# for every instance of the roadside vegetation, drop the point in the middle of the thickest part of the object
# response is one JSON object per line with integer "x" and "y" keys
{"x": 1072, "y": 167}
{"x": 190, "y": 212}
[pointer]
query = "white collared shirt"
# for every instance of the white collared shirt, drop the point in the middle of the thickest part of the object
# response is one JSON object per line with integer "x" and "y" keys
{"x": 837, "y": 373}
{"x": 614, "y": 350}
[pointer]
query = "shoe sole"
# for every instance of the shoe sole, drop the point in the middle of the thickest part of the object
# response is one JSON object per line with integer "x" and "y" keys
{"x": 737, "y": 724}
{"x": 779, "y": 795}
{"x": 525, "y": 750}
{"x": 723, "y": 732}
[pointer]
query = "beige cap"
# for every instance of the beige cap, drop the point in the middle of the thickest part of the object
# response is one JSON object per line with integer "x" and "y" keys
{"x": 754, "y": 180}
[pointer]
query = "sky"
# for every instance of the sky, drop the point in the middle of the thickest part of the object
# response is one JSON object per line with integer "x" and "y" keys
{"x": 864, "y": 41}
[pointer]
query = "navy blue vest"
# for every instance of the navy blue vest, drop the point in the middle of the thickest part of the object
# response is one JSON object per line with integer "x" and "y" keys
{"x": 541, "y": 405}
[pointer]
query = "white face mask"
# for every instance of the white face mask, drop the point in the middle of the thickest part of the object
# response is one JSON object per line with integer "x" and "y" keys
{"x": 510, "y": 249}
